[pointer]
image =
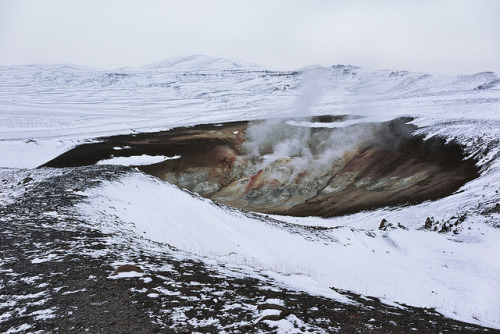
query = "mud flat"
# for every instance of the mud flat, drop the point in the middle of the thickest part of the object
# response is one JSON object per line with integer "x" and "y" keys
{"x": 322, "y": 166}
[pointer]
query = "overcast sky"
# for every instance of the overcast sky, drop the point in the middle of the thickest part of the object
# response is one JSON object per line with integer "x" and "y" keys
{"x": 434, "y": 36}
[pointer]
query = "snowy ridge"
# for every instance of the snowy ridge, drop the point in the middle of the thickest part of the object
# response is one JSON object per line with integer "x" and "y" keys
{"x": 45, "y": 110}
{"x": 199, "y": 63}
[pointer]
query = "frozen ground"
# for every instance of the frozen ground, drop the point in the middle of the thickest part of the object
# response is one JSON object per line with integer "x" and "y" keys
{"x": 45, "y": 110}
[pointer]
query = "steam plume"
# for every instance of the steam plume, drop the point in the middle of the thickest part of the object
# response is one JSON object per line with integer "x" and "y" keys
{"x": 307, "y": 146}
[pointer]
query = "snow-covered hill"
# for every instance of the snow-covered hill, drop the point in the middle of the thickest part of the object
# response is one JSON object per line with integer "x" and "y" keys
{"x": 53, "y": 106}
{"x": 45, "y": 110}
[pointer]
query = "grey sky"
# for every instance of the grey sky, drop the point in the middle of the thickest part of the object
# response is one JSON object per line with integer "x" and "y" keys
{"x": 435, "y": 36}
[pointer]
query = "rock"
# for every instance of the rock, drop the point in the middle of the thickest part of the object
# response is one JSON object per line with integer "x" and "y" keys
{"x": 383, "y": 224}
{"x": 27, "y": 180}
{"x": 271, "y": 317}
{"x": 445, "y": 228}
{"x": 63, "y": 248}
{"x": 462, "y": 219}
{"x": 271, "y": 307}
{"x": 402, "y": 226}
{"x": 127, "y": 268}
{"x": 428, "y": 223}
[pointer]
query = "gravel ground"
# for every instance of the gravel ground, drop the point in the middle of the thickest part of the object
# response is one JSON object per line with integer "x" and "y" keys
{"x": 60, "y": 273}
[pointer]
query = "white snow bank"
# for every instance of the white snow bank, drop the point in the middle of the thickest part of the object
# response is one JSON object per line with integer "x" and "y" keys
{"x": 419, "y": 268}
{"x": 30, "y": 153}
{"x": 129, "y": 274}
{"x": 136, "y": 160}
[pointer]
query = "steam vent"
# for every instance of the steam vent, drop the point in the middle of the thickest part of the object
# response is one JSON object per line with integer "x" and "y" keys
{"x": 321, "y": 166}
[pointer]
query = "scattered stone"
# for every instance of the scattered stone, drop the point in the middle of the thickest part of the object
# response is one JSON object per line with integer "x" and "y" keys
{"x": 384, "y": 225}
{"x": 429, "y": 222}
{"x": 445, "y": 228}
{"x": 454, "y": 224}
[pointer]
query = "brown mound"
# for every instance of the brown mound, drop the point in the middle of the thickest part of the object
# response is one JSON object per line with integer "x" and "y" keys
{"x": 389, "y": 167}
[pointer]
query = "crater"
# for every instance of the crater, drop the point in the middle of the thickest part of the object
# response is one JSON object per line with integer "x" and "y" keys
{"x": 322, "y": 166}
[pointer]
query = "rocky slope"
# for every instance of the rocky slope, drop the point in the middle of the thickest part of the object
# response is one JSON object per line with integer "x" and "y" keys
{"x": 61, "y": 273}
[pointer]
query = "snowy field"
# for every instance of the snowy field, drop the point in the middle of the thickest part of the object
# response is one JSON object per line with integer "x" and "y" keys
{"x": 46, "y": 110}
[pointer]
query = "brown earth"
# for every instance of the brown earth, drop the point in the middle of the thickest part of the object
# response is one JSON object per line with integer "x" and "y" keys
{"x": 387, "y": 168}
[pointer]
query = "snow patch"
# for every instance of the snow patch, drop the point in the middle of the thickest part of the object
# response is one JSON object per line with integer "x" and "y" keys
{"x": 137, "y": 160}
{"x": 46, "y": 259}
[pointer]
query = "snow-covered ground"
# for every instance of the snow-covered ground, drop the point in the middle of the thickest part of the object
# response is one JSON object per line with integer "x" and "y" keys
{"x": 45, "y": 110}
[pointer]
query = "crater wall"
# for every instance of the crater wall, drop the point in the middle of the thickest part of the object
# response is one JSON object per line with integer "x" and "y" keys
{"x": 324, "y": 166}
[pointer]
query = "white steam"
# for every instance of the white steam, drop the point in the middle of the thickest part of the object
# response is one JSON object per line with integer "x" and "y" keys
{"x": 271, "y": 140}
{"x": 311, "y": 89}
{"x": 308, "y": 146}
{"x": 310, "y": 149}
